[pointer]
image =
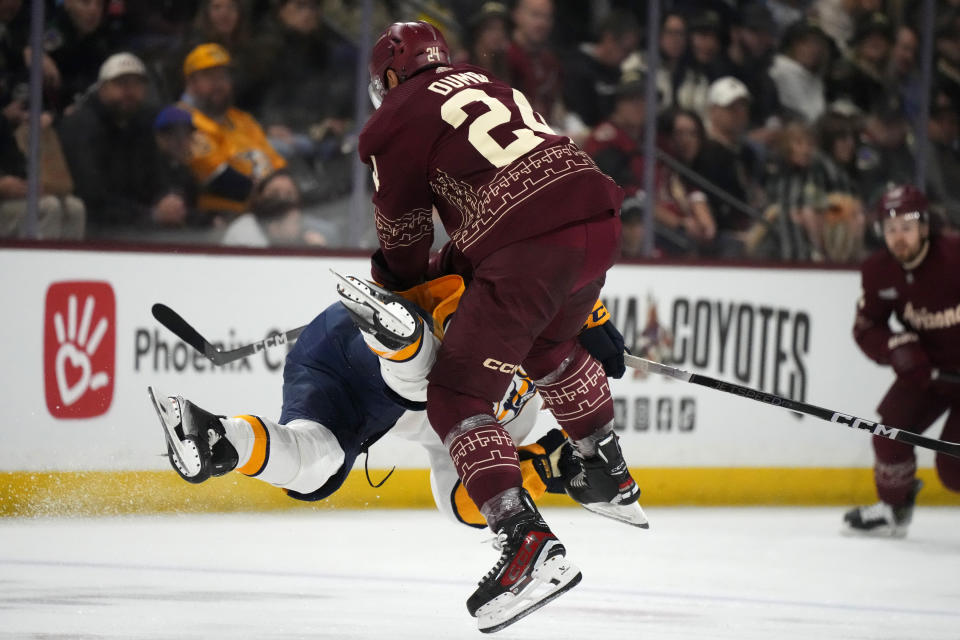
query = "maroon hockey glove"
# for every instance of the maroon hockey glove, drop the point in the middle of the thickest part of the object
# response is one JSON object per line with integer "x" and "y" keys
{"x": 381, "y": 274}
{"x": 909, "y": 360}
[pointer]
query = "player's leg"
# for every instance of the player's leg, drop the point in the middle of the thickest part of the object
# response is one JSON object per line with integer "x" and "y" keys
{"x": 300, "y": 455}
{"x": 895, "y": 467}
{"x": 948, "y": 467}
{"x": 496, "y": 323}
{"x": 575, "y": 389}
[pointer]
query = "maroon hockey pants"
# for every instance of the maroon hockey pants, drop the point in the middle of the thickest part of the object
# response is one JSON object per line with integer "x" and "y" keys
{"x": 913, "y": 409}
{"x": 524, "y": 307}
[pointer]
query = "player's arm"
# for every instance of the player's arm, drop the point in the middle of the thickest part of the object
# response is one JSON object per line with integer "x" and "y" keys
{"x": 403, "y": 212}
{"x": 871, "y": 328}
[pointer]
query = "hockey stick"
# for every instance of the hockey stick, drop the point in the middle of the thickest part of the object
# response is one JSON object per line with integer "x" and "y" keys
{"x": 876, "y": 428}
{"x": 182, "y": 329}
{"x": 946, "y": 376}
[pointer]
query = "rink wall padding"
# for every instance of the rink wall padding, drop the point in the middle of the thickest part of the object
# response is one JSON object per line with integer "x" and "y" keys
{"x": 79, "y": 347}
{"x": 88, "y": 493}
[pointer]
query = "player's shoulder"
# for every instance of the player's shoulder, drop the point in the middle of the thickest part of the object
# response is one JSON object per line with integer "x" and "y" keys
{"x": 879, "y": 266}
{"x": 948, "y": 247}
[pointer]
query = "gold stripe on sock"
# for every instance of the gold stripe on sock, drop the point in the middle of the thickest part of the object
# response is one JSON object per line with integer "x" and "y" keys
{"x": 261, "y": 442}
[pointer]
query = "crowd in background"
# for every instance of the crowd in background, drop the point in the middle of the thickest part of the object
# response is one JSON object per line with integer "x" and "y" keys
{"x": 234, "y": 121}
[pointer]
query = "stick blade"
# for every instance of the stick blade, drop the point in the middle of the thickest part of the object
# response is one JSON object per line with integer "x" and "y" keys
{"x": 180, "y": 327}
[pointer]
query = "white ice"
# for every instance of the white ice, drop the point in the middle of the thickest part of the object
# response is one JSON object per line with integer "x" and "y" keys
{"x": 764, "y": 573}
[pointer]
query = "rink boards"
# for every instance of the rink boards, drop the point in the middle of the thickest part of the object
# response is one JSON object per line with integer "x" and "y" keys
{"x": 80, "y": 347}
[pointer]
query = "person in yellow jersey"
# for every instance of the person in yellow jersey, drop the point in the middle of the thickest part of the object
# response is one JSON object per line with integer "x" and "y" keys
{"x": 230, "y": 153}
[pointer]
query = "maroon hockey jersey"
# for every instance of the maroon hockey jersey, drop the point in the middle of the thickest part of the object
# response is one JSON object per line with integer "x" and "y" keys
{"x": 925, "y": 300}
{"x": 459, "y": 139}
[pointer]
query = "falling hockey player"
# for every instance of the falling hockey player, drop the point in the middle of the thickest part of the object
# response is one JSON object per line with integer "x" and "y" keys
{"x": 915, "y": 278}
{"x": 536, "y": 225}
{"x": 344, "y": 389}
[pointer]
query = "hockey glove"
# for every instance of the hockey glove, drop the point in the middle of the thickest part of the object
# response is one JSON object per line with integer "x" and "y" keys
{"x": 382, "y": 275}
{"x": 540, "y": 463}
{"x": 604, "y": 341}
{"x": 909, "y": 360}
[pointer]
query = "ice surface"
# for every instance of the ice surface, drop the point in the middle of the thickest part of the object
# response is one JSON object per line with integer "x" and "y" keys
{"x": 700, "y": 573}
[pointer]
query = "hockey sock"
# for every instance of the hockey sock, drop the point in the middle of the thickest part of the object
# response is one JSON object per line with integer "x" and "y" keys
{"x": 300, "y": 455}
{"x": 894, "y": 480}
{"x": 578, "y": 395}
{"x": 587, "y": 447}
{"x": 502, "y": 506}
{"x": 485, "y": 458}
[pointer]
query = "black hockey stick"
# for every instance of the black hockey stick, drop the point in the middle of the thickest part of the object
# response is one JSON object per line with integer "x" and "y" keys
{"x": 876, "y": 428}
{"x": 946, "y": 376}
{"x": 175, "y": 323}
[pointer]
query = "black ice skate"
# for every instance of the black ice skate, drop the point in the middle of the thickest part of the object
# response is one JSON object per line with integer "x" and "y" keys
{"x": 392, "y": 321}
{"x": 882, "y": 520}
{"x": 602, "y": 483}
{"x": 533, "y": 570}
{"x": 196, "y": 442}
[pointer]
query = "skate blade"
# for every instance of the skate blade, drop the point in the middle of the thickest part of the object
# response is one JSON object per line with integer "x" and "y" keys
{"x": 631, "y": 514}
{"x": 185, "y": 451}
{"x": 551, "y": 580}
{"x": 879, "y": 532}
{"x": 376, "y": 305}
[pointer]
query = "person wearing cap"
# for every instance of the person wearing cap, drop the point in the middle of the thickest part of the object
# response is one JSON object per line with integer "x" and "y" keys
{"x": 614, "y": 144}
{"x": 728, "y": 161}
{"x": 884, "y": 155}
{"x": 592, "y": 71}
{"x": 703, "y": 63}
{"x": 230, "y": 152}
{"x": 77, "y": 42}
{"x": 488, "y": 38}
{"x": 798, "y": 69}
{"x": 861, "y": 76}
{"x": 751, "y": 52}
{"x": 173, "y": 132}
{"x": 913, "y": 278}
{"x": 112, "y": 154}
{"x": 943, "y": 157}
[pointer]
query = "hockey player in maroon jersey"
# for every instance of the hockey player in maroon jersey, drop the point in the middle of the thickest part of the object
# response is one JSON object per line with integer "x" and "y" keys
{"x": 916, "y": 278}
{"x": 534, "y": 225}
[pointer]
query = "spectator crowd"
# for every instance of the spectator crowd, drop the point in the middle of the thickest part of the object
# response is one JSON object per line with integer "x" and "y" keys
{"x": 779, "y": 122}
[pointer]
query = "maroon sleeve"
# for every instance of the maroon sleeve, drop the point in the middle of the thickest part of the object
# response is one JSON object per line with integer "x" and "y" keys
{"x": 871, "y": 329}
{"x": 403, "y": 202}
{"x": 450, "y": 260}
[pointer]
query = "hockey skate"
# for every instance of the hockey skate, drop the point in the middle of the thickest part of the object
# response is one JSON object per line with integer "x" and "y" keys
{"x": 602, "y": 483}
{"x": 533, "y": 570}
{"x": 196, "y": 441}
{"x": 392, "y": 326}
{"x": 882, "y": 520}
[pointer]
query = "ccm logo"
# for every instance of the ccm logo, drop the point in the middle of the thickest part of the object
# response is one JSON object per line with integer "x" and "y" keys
{"x": 502, "y": 367}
